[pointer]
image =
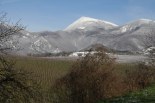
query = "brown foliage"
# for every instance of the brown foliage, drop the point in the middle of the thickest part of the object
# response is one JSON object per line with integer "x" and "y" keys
{"x": 90, "y": 80}
{"x": 95, "y": 77}
{"x": 17, "y": 86}
{"x": 140, "y": 77}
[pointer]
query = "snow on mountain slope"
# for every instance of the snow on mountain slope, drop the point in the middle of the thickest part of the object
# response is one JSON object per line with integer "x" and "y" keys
{"x": 85, "y": 32}
{"x": 137, "y": 24}
{"x": 41, "y": 45}
{"x": 133, "y": 35}
{"x": 150, "y": 51}
{"x": 85, "y": 22}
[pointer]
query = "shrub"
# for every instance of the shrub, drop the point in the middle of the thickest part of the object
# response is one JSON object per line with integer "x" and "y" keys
{"x": 90, "y": 80}
{"x": 17, "y": 86}
{"x": 140, "y": 77}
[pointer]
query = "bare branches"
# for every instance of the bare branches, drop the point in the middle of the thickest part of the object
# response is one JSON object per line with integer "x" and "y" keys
{"x": 7, "y": 30}
{"x": 15, "y": 86}
{"x": 91, "y": 79}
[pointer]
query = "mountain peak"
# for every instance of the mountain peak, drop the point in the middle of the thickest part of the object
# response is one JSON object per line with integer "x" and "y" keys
{"x": 84, "y": 22}
{"x": 85, "y": 19}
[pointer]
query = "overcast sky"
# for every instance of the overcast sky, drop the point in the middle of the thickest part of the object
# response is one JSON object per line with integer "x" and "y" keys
{"x": 39, "y": 15}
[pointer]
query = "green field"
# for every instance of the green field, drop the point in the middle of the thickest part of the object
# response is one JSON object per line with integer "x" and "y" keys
{"x": 143, "y": 96}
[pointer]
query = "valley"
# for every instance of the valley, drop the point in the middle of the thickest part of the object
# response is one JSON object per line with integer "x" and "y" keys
{"x": 77, "y": 51}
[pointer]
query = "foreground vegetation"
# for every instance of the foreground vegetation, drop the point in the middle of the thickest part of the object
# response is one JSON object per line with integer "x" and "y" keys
{"x": 146, "y": 95}
{"x": 45, "y": 71}
{"x": 91, "y": 79}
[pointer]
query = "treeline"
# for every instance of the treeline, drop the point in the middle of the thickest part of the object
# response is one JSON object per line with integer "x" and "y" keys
{"x": 49, "y": 54}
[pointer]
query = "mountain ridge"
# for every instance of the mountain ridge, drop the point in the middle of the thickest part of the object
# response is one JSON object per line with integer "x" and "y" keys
{"x": 128, "y": 37}
{"x": 83, "y": 22}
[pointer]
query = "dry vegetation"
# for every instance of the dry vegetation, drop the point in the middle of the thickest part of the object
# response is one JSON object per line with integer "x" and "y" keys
{"x": 88, "y": 80}
{"x": 16, "y": 86}
{"x": 98, "y": 77}
{"x": 45, "y": 71}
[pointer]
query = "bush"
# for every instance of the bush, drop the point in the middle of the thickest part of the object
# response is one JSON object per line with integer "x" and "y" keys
{"x": 17, "y": 86}
{"x": 91, "y": 79}
{"x": 140, "y": 77}
{"x": 98, "y": 77}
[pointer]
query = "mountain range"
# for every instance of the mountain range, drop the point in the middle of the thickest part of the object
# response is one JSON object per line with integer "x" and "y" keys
{"x": 85, "y": 32}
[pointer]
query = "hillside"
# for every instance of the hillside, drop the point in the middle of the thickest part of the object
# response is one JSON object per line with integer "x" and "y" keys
{"x": 85, "y": 32}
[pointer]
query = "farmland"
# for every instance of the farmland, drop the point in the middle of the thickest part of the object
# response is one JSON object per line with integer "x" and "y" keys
{"x": 45, "y": 71}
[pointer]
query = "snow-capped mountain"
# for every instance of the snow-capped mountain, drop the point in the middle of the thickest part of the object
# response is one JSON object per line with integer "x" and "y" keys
{"x": 85, "y": 23}
{"x": 85, "y": 32}
{"x": 144, "y": 23}
{"x": 133, "y": 36}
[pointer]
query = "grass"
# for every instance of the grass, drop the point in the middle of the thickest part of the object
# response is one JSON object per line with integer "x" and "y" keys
{"x": 143, "y": 96}
{"x": 45, "y": 71}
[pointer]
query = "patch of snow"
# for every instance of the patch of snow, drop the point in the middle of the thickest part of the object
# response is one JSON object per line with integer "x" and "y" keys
{"x": 27, "y": 34}
{"x": 81, "y": 27}
{"x": 149, "y": 50}
{"x": 146, "y": 20}
{"x": 123, "y": 29}
{"x": 81, "y": 54}
{"x": 40, "y": 41}
{"x": 109, "y": 23}
{"x": 24, "y": 37}
{"x": 57, "y": 50}
{"x": 41, "y": 45}
{"x": 77, "y": 54}
{"x": 126, "y": 28}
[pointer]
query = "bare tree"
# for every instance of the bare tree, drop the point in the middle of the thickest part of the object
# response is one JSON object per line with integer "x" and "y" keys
{"x": 7, "y": 30}
{"x": 16, "y": 86}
